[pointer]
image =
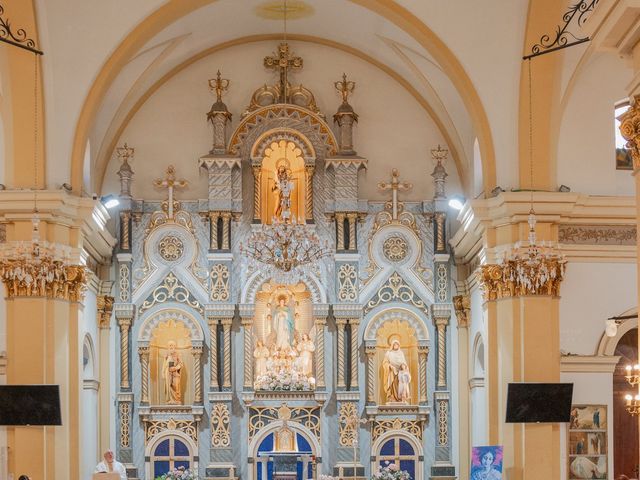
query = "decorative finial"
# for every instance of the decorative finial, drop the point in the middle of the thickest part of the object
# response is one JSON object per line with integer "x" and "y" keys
{"x": 439, "y": 154}
{"x": 125, "y": 152}
{"x": 125, "y": 172}
{"x": 439, "y": 173}
{"x": 345, "y": 87}
{"x": 219, "y": 85}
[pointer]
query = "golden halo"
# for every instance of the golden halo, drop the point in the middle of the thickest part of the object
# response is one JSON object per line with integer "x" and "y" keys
{"x": 394, "y": 337}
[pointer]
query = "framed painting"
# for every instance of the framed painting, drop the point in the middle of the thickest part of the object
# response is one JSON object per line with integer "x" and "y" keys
{"x": 587, "y": 442}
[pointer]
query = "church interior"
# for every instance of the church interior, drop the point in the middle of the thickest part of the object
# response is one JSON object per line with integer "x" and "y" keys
{"x": 319, "y": 239}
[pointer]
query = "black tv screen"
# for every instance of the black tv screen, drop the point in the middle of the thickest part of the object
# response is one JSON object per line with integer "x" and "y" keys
{"x": 30, "y": 405}
{"x": 539, "y": 402}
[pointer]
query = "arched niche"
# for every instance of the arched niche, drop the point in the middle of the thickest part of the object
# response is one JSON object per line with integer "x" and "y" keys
{"x": 478, "y": 357}
{"x": 88, "y": 359}
{"x": 607, "y": 345}
{"x": 154, "y": 318}
{"x": 154, "y": 442}
{"x": 380, "y": 316}
{"x": 258, "y": 279}
{"x": 379, "y": 455}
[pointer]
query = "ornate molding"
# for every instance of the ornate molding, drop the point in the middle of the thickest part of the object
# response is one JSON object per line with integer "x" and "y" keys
{"x": 155, "y": 427}
{"x": 395, "y": 289}
{"x": 219, "y": 283}
{"x": 412, "y": 427}
{"x": 462, "y": 306}
{"x": 597, "y": 234}
{"x": 171, "y": 289}
{"x": 501, "y": 281}
{"x": 347, "y": 283}
{"x": 630, "y": 130}
{"x": 347, "y": 428}
{"x": 104, "y": 304}
{"x": 260, "y": 417}
{"x": 220, "y": 426}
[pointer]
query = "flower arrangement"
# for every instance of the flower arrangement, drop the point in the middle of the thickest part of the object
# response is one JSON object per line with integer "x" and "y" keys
{"x": 179, "y": 473}
{"x": 390, "y": 471}
{"x": 285, "y": 381}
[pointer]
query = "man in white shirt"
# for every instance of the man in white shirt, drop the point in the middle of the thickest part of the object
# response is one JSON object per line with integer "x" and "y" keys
{"x": 111, "y": 465}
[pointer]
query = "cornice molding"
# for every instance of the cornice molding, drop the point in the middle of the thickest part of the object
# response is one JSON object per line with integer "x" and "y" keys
{"x": 588, "y": 363}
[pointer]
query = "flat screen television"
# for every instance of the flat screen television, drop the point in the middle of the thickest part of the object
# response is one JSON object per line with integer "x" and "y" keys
{"x": 30, "y": 405}
{"x": 539, "y": 402}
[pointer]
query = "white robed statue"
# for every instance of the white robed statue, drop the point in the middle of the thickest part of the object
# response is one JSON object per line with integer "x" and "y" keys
{"x": 261, "y": 355}
{"x": 306, "y": 348}
{"x": 392, "y": 365}
{"x": 283, "y": 325}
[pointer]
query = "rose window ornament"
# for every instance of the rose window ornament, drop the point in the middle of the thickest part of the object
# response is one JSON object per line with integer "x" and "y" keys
{"x": 171, "y": 248}
{"x": 395, "y": 248}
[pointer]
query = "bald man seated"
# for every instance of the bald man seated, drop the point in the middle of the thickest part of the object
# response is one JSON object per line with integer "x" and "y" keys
{"x": 111, "y": 465}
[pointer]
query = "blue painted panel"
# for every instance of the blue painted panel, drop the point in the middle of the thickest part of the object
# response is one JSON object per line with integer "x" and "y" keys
{"x": 160, "y": 468}
{"x": 388, "y": 447}
{"x": 303, "y": 445}
{"x": 409, "y": 466}
{"x": 162, "y": 450}
{"x": 406, "y": 448}
{"x": 180, "y": 449}
{"x": 267, "y": 444}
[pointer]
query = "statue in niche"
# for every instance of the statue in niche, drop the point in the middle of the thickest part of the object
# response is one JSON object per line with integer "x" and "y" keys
{"x": 171, "y": 372}
{"x": 283, "y": 324}
{"x": 261, "y": 355}
{"x": 306, "y": 348}
{"x": 393, "y": 364}
{"x": 285, "y": 440}
{"x": 404, "y": 383}
{"x": 283, "y": 187}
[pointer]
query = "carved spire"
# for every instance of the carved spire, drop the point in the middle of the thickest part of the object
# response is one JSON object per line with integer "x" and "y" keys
{"x": 125, "y": 172}
{"x": 345, "y": 116}
{"x": 219, "y": 115}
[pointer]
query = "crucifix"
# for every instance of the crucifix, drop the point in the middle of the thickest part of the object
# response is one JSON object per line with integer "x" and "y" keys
{"x": 169, "y": 182}
{"x": 394, "y": 185}
{"x": 283, "y": 62}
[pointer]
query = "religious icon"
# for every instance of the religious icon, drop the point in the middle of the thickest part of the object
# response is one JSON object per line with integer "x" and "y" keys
{"x": 283, "y": 187}
{"x": 404, "y": 383}
{"x": 306, "y": 349}
{"x": 283, "y": 324}
{"x": 261, "y": 355}
{"x": 486, "y": 463}
{"x": 392, "y": 364}
{"x": 171, "y": 372}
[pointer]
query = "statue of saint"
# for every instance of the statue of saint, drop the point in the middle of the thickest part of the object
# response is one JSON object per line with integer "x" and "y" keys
{"x": 306, "y": 348}
{"x": 404, "y": 383}
{"x": 172, "y": 372}
{"x": 283, "y": 187}
{"x": 283, "y": 325}
{"x": 391, "y": 366}
{"x": 261, "y": 355}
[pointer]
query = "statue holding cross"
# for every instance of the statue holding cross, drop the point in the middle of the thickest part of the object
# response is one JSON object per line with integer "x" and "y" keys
{"x": 283, "y": 62}
{"x": 394, "y": 185}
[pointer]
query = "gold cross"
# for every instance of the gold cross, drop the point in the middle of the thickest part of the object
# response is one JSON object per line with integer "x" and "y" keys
{"x": 169, "y": 182}
{"x": 283, "y": 62}
{"x": 439, "y": 154}
{"x": 219, "y": 84}
{"x": 345, "y": 88}
{"x": 394, "y": 185}
{"x": 125, "y": 153}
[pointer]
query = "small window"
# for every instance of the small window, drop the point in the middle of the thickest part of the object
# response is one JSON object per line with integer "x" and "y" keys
{"x": 623, "y": 155}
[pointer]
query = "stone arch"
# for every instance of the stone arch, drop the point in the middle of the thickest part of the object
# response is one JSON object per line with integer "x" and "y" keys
{"x": 607, "y": 345}
{"x": 88, "y": 358}
{"x": 393, "y": 12}
{"x": 413, "y": 441}
{"x": 258, "y": 278}
{"x": 154, "y": 317}
{"x": 478, "y": 365}
{"x": 378, "y": 317}
{"x": 275, "y": 134}
{"x": 153, "y": 442}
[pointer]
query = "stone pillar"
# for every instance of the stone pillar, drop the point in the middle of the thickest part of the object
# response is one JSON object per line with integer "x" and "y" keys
{"x": 248, "y": 354}
{"x": 352, "y": 219}
{"x": 213, "y": 354}
{"x": 143, "y": 351}
{"x": 341, "y": 324}
{"x": 319, "y": 353}
{"x": 370, "y": 350}
{"x": 105, "y": 363}
{"x": 441, "y": 329}
{"x": 226, "y": 230}
{"x": 461, "y": 304}
{"x": 340, "y": 231}
{"x": 257, "y": 201}
{"x": 124, "y": 324}
{"x": 213, "y": 230}
{"x": 308, "y": 178}
{"x": 196, "y": 351}
{"x": 226, "y": 332}
{"x": 125, "y": 231}
{"x": 423, "y": 353}
{"x": 353, "y": 325}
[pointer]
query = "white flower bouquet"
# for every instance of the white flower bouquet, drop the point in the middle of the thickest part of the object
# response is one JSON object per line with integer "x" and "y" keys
{"x": 285, "y": 381}
{"x": 179, "y": 473}
{"x": 390, "y": 471}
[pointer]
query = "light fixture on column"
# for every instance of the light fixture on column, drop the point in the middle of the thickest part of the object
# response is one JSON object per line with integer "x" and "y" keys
{"x": 535, "y": 267}
{"x": 632, "y": 404}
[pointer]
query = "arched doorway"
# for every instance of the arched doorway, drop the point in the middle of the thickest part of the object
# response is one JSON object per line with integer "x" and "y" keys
{"x": 399, "y": 448}
{"x": 625, "y": 427}
{"x": 170, "y": 450}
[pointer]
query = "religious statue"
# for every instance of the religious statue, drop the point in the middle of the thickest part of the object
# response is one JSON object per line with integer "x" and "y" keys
{"x": 283, "y": 186}
{"x": 261, "y": 355}
{"x": 172, "y": 373}
{"x": 392, "y": 364}
{"x": 404, "y": 383}
{"x": 283, "y": 324}
{"x": 306, "y": 348}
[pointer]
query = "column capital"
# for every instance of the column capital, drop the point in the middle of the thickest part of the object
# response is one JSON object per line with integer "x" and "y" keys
{"x": 124, "y": 323}
{"x": 104, "y": 305}
{"x": 462, "y": 307}
{"x": 144, "y": 350}
{"x": 219, "y": 311}
{"x": 630, "y": 131}
{"x": 196, "y": 350}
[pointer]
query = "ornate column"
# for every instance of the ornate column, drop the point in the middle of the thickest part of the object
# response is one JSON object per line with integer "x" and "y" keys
{"x": 143, "y": 351}
{"x": 125, "y": 231}
{"x": 226, "y": 230}
{"x": 340, "y": 231}
{"x": 257, "y": 202}
{"x": 226, "y": 374}
{"x": 105, "y": 306}
{"x": 248, "y": 354}
{"x": 423, "y": 353}
{"x": 441, "y": 328}
{"x": 196, "y": 351}
{"x": 213, "y": 230}
{"x": 124, "y": 323}
{"x": 213, "y": 354}
{"x": 462, "y": 308}
{"x": 370, "y": 351}
{"x": 308, "y": 178}
{"x": 352, "y": 218}
{"x": 341, "y": 324}
{"x": 353, "y": 325}
{"x": 440, "y": 236}
{"x": 320, "y": 322}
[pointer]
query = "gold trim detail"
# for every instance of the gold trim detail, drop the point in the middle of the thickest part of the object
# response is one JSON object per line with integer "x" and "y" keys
{"x": 220, "y": 426}
{"x": 347, "y": 280}
{"x": 188, "y": 427}
{"x": 68, "y": 283}
{"x": 171, "y": 289}
{"x": 501, "y": 281}
{"x": 260, "y": 417}
{"x": 104, "y": 306}
{"x": 219, "y": 283}
{"x": 395, "y": 289}
{"x": 412, "y": 427}
{"x": 346, "y": 425}
{"x": 462, "y": 306}
{"x": 125, "y": 424}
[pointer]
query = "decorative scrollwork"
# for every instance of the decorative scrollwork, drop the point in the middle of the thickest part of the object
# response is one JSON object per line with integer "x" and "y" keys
{"x": 125, "y": 424}
{"x": 188, "y": 427}
{"x": 19, "y": 38}
{"x": 124, "y": 283}
{"x": 220, "y": 432}
{"x": 443, "y": 423}
{"x": 260, "y": 417}
{"x": 347, "y": 281}
{"x": 413, "y": 427}
{"x": 171, "y": 289}
{"x": 563, "y": 37}
{"x": 442, "y": 281}
{"x": 395, "y": 289}
{"x": 597, "y": 234}
{"x": 347, "y": 423}
{"x": 219, "y": 283}
{"x": 171, "y": 248}
{"x": 395, "y": 248}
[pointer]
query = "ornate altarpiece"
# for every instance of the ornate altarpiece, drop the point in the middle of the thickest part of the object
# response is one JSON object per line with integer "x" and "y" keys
{"x": 182, "y": 278}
